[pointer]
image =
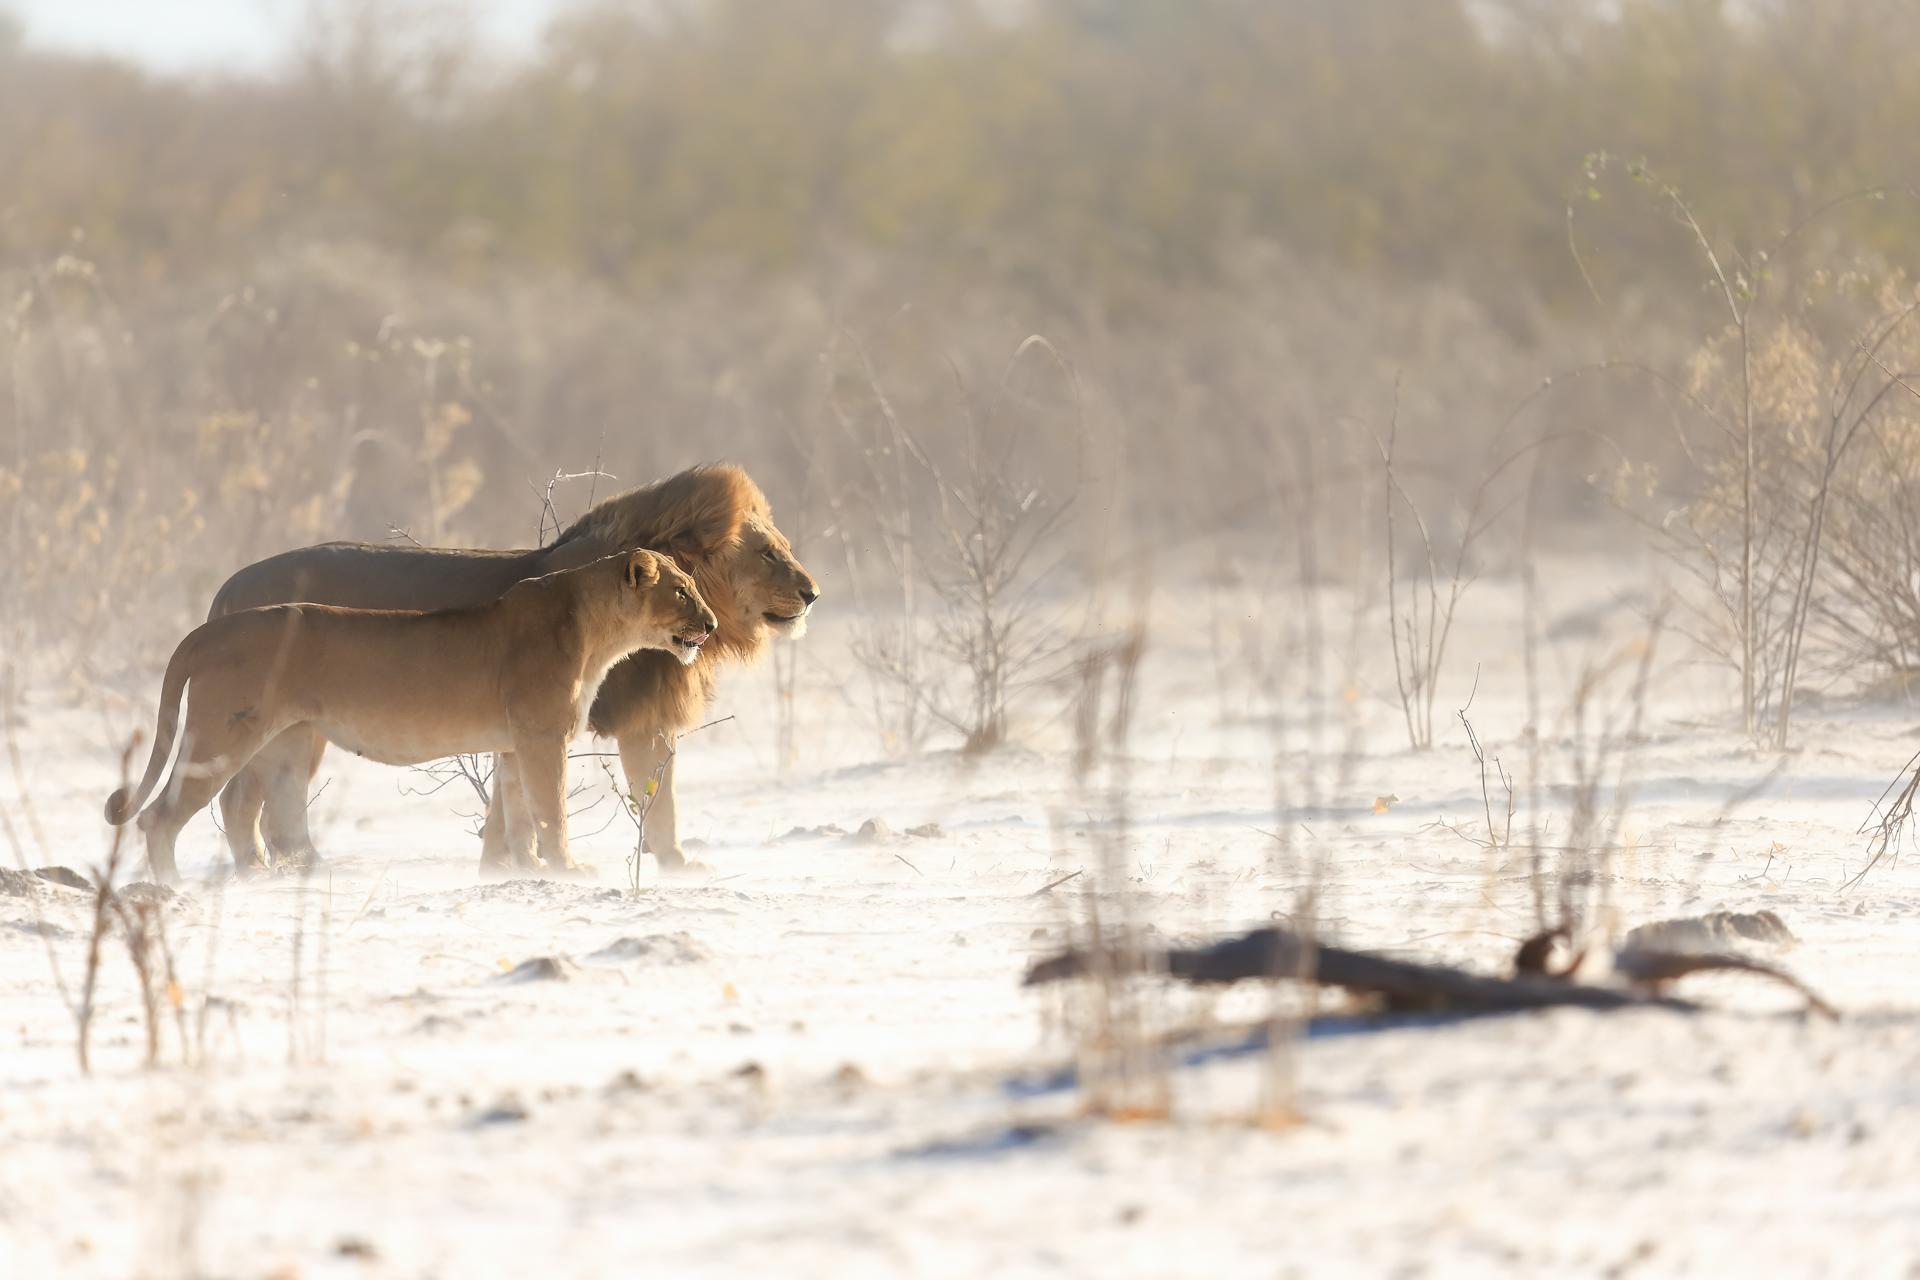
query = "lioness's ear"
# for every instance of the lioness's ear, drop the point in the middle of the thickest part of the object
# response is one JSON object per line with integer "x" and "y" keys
{"x": 641, "y": 570}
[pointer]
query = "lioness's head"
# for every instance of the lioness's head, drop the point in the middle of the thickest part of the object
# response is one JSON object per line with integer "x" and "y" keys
{"x": 674, "y": 610}
{"x": 715, "y": 522}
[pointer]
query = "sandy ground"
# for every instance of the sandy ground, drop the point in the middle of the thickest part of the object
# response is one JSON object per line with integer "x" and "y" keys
{"x": 819, "y": 1061}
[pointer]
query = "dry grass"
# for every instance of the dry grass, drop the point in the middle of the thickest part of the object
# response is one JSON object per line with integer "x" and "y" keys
{"x": 1117, "y": 1018}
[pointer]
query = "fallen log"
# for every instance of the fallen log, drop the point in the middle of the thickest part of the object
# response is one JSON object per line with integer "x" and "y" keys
{"x": 1403, "y": 986}
{"x": 1653, "y": 970}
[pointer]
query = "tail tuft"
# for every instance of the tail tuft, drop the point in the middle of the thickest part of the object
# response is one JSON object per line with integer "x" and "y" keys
{"x": 117, "y": 807}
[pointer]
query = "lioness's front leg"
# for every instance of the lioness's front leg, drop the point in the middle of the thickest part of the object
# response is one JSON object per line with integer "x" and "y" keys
{"x": 645, "y": 757}
{"x": 517, "y": 827}
{"x": 499, "y": 854}
{"x": 542, "y": 768}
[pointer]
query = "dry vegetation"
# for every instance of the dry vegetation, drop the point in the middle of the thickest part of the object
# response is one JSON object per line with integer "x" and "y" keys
{"x": 386, "y": 292}
{"x": 1076, "y": 343}
{"x": 1299, "y": 271}
{"x": 395, "y": 292}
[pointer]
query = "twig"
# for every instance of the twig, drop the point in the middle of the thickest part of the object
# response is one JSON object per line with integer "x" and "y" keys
{"x": 369, "y": 902}
{"x": 1887, "y": 835}
{"x": 1053, "y": 884}
{"x": 547, "y": 511}
{"x": 1500, "y": 839}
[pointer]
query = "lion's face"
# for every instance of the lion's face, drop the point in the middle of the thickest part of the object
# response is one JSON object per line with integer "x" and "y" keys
{"x": 771, "y": 588}
{"x": 672, "y": 603}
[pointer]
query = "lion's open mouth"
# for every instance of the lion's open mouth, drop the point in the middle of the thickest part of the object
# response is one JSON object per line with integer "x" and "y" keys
{"x": 687, "y": 648}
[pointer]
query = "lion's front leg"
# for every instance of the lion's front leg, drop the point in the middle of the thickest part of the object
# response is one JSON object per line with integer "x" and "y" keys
{"x": 649, "y": 757}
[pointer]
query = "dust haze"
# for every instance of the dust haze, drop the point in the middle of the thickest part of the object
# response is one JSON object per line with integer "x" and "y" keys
{"x": 1435, "y": 482}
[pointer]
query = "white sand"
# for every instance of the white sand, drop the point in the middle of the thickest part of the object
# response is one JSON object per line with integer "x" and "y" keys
{"x": 457, "y": 1126}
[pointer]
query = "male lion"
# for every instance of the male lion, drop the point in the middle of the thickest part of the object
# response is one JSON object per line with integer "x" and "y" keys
{"x": 715, "y": 523}
{"x": 515, "y": 676}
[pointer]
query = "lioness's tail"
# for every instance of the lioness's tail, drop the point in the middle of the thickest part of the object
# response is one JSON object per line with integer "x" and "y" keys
{"x": 119, "y": 807}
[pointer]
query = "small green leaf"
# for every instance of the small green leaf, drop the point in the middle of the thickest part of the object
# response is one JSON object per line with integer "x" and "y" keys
{"x": 653, "y": 785}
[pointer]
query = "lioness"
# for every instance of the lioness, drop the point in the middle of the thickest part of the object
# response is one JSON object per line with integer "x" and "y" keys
{"x": 715, "y": 523}
{"x": 515, "y": 676}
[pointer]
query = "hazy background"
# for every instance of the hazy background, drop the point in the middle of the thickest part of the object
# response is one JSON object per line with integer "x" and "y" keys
{"x": 283, "y": 272}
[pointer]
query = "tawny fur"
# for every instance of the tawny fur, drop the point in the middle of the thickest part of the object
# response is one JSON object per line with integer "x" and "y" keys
{"x": 713, "y": 520}
{"x": 515, "y": 676}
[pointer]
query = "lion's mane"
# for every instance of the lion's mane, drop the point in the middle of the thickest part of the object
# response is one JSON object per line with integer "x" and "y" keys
{"x": 697, "y": 516}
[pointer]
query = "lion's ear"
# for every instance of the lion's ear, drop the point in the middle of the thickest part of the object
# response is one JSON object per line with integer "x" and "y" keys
{"x": 641, "y": 570}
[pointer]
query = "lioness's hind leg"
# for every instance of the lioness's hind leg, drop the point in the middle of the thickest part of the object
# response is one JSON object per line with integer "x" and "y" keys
{"x": 279, "y": 774}
{"x": 289, "y": 838}
{"x": 288, "y": 777}
{"x": 197, "y": 777}
{"x": 240, "y": 803}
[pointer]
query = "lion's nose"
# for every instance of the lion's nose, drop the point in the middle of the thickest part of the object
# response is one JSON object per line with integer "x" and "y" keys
{"x": 810, "y": 593}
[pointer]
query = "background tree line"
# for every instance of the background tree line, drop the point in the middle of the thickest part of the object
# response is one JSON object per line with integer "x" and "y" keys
{"x": 394, "y": 287}
{"x": 1070, "y": 145}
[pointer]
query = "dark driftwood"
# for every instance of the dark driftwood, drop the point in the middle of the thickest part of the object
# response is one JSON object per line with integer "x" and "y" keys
{"x": 1405, "y": 987}
{"x": 1655, "y": 969}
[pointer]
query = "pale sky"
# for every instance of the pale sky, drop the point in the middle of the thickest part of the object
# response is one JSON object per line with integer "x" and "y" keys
{"x": 214, "y": 35}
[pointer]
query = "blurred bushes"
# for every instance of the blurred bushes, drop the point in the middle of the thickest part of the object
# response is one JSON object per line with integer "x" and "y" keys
{"x": 1073, "y": 145}
{"x": 392, "y": 288}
